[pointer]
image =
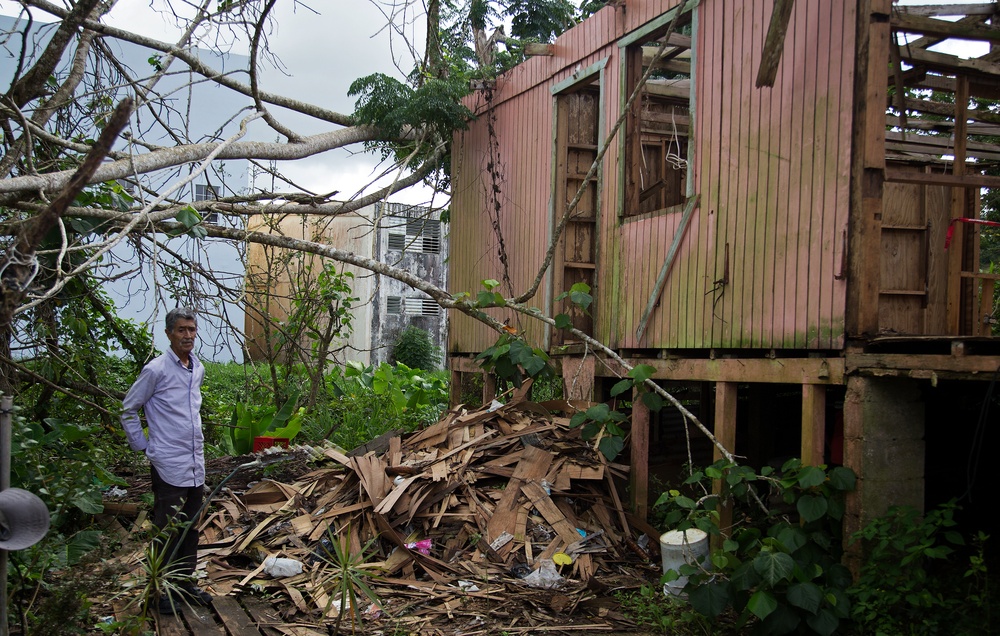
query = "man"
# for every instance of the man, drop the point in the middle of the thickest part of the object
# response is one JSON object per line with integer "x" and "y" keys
{"x": 169, "y": 391}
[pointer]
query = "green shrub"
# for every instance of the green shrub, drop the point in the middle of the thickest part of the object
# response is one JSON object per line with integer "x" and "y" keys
{"x": 414, "y": 348}
{"x": 778, "y": 570}
{"x": 910, "y": 581}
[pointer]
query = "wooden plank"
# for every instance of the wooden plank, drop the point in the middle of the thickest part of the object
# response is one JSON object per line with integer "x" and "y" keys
{"x": 534, "y": 465}
{"x": 958, "y": 209}
{"x": 929, "y": 26}
{"x": 550, "y": 512}
{"x": 942, "y": 9}
{"x": 774, "y": 44}
{"x": 236, "y": 621}
{"x": 780, "y": 370}
{"x": 871, "y": 363}
{"x": 813, "y": 424}
{"x": 200, "y": 621}
{"x": 264, "y": 616}
{"x": 170, "y": 626}
{"x": 936, "y": 178}
{"x": 725, "y": 433}
{"x": 639, "y": 445}
{"x": 876, "y": 78}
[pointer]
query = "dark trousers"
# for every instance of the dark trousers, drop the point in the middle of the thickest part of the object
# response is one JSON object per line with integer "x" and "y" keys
{"x": 180, "y": 504}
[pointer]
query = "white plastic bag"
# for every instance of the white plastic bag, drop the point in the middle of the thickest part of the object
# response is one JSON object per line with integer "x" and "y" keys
{"x": 280, "y": 567}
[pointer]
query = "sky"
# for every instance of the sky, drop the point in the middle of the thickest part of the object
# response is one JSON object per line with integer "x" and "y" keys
{"x": 324, "y": 46}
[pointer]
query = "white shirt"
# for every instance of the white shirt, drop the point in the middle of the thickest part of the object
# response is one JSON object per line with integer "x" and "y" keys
{"x": 170, "y": 395}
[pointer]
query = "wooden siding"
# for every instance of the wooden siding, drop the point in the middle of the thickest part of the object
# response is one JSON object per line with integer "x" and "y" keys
{"x": 771, "y": 165}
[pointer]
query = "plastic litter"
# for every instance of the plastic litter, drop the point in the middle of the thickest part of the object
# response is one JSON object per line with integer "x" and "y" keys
{"x": 281, "y": 567}
{"x": 423, "y": 546}
{"x": 546, "y": 577}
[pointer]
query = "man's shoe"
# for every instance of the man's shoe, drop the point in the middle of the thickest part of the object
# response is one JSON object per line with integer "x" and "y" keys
{"x": 165, "y": 607}
{"x": 197, "y": 595}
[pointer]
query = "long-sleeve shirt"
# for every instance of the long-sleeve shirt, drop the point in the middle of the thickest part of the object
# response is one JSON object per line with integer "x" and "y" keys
{"x": 170, "y": 395}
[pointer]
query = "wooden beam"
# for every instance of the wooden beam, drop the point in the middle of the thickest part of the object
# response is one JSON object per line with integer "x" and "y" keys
{"x": 943, "y": 28}
{"x": 774, "y": 43}
{"x": 765, "y": 370}
{"x": 936, "y": 178}
{"x": 813, "y": 424}
{"x": 455, "y": 389}
{"x": 943, "y": 126}
{"x": 489, "y": 387}
{"x": 661, "y": 278}
{"x": 639, "y": 444}
{"x": 930, "y": 10}
{"x": 958, "y": 210}
{"x": 930, "y": 144}
{"x": 725, "y": 432}
{"x": 532, "y": 49}
{"x": 979, "y": 85}
{"x": 927, "y": 42}
{"x": 949, "y": 63}
{"x": 918, "y": 365}
{"x": 948, "y": 110}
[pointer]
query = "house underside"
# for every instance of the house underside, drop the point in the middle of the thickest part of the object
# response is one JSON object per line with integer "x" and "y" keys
{"x": 787, "y": 228}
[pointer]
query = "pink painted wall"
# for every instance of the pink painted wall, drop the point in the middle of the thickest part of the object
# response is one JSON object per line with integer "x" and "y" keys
{"x": 771, "y": 166}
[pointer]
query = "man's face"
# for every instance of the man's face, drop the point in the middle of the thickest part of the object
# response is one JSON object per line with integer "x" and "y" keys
{"x": 182, "y": 336}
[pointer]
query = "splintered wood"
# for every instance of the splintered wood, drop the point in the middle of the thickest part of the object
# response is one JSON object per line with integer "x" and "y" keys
{"x": 463, "y": 509}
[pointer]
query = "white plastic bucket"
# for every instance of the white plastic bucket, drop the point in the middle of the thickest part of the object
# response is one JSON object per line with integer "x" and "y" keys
{"x": 678, "y": 547}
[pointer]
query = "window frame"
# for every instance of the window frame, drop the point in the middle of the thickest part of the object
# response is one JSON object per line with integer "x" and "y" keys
{"x": 631, "y": 69}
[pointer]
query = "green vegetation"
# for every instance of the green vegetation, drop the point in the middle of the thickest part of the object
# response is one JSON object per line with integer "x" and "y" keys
{"x": 414, "y": 348}
{"x": 919, "y": 577}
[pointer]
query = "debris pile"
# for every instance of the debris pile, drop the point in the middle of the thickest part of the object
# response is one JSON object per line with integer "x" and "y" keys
{"x": 479, "y": 507}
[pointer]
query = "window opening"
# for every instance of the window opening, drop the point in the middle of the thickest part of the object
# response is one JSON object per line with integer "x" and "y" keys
{"x": 658, "y": 123}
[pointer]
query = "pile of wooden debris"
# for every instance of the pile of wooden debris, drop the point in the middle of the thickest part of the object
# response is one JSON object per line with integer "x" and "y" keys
{"x": 452, "y": 522}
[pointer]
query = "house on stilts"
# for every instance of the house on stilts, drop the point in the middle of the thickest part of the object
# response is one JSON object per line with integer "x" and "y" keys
{"x": 785, "y": 226}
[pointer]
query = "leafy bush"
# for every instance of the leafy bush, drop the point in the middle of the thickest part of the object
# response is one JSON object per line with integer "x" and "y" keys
{"x": 778, "y": 571}
{"x": 414, "y": 348}
{"x": 650, "y": 607}
{"x": 909, "y": 583}
{"x": 374, "y": 400}
{"x": 248, "y": 423}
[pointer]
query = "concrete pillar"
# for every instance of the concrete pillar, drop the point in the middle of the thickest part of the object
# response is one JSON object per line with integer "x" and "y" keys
{"x": 884, "y": 445}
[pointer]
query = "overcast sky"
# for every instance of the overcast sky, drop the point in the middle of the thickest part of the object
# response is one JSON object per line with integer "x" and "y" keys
{"x": 324, "y": 48}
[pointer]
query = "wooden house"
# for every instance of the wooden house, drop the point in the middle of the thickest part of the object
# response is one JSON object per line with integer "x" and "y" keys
{"x": 782, "y": 223}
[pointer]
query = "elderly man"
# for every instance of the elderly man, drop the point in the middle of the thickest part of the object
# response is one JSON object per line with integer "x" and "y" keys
{"x": 169, "y": 392}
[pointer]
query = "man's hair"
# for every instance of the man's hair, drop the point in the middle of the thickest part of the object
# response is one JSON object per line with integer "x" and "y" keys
{"x": 180, "y": 313}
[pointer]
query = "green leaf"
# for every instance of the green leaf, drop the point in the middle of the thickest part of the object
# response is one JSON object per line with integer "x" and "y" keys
{"x": 685, "y": 502}
{"x": 710, "y": 599}
{"x": 843, "y": 479}
{"x": 824, "y": 623}
{"x": 620, "y": 387}
{"x": 611, "y": 446}
{"x": 484, "y": 299}
{"x": 598, "y": 412}
{"x": 812, "y": 507}
{"x": 642, "y": 372}
{"x": 713, "y": 473}
{"x": 773, "y": 567}
{"x": 807, "y": 596}
{"x": 563, "y": 321}
{"x": 577, "y": 419}
{"x": 811, "y": 476}
{"x": 782, "y": 621}
{"x": 590, "y": 430}
{"x": 792, "y": 539}
{"x": 81, "y": 544}
{"x": 762, "y": 603}
{"x": 490, "y": 283}
{"x": 188, "y": 217}
{"x": 652, "y": 401}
